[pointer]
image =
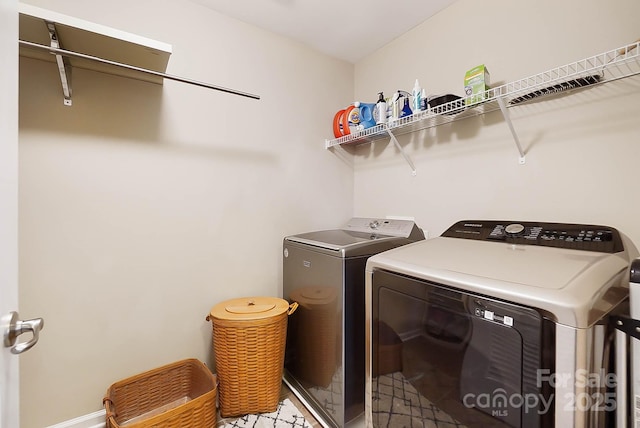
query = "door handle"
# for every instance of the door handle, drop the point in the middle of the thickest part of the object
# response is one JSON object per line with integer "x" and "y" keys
{"x": 16, "y": 328}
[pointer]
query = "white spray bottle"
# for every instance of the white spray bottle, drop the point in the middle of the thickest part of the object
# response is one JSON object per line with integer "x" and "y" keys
{"x": 417, "y": 97}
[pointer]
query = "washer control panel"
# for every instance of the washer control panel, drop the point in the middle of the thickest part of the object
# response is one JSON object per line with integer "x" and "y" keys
{"x": 584, "y": 237}
{"x": 388, "y": 227}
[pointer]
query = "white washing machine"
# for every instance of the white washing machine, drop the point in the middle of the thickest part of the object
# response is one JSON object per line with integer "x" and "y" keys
{"x": 497, "y": 323}
{"x": 324, "y": 272}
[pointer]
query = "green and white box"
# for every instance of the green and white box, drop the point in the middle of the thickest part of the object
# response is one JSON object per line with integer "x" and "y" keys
{"x": 476, "y": 82}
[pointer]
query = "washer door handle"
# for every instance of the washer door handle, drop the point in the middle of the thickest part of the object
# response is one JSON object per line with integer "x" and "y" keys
{"x": 16, "y": 328}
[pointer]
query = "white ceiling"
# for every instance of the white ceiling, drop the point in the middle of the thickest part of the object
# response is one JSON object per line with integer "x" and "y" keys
{"x": 349, "y": 30}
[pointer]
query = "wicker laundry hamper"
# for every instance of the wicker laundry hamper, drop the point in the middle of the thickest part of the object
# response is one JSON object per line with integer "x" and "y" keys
{"x": 316, "y": 333}
{"x": 249, "y": 338}
{"x": 177, "y": 395}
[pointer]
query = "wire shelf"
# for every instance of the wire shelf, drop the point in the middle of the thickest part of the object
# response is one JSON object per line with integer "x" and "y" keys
{"x": 606, "y": 67}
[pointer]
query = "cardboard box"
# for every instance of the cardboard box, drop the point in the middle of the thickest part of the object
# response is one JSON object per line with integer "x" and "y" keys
{"x": 476, "y": 82}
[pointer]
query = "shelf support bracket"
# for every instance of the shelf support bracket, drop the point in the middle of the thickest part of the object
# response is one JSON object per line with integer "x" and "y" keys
{"x": 507, "y": 118}
{"x": 404, "y": 155}
{"x": 63, "y": 64}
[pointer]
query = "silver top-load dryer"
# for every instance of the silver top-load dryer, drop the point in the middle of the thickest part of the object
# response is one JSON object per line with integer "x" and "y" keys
{"x": 323, "y": 271}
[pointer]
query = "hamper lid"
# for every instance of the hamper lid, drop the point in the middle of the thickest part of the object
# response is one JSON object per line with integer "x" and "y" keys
{"x": 249, "y": 308}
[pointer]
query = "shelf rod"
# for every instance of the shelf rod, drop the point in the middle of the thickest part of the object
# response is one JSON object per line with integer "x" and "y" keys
{"x": 399, "y": 147}
{"x": 64, "y": 52}
{"x": 507, "y": 118}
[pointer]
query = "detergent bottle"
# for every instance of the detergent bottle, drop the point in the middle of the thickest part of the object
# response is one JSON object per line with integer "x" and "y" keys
{"x": 404, "y": 107}
{"x": 395, "y": 107}
{"x": 367, "y": 119}
{"x": 380, "y": 112}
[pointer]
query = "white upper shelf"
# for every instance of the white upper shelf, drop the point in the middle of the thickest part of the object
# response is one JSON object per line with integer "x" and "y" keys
{"x": 606, "y": 67}
{"x": 73, "y": 42}
{"x": 93, "y": 40}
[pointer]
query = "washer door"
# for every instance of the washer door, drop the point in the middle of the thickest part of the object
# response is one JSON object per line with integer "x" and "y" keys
{"x": 440, "y": 355}
{"x": 491, "y": 372}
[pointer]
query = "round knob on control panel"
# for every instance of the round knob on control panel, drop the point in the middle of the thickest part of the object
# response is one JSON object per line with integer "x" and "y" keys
{"x": 514, "y": 229}
{"x": 374, "y": 224}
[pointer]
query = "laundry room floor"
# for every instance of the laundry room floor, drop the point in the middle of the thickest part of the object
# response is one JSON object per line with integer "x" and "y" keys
{"x": 285, "y": 392}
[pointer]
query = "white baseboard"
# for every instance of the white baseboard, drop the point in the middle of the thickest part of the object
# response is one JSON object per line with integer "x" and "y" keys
{"x": 92, "y": 420}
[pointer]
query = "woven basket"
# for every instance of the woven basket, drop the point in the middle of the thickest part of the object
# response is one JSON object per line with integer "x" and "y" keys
{"x": 249, "y": 337}
{"x": 178, "y": 395}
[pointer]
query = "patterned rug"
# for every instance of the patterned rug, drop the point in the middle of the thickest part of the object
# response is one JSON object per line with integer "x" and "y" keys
{"x": 287, "y": 415}
{"x": 330, "y": 397}
{"x": 398, "y": 404}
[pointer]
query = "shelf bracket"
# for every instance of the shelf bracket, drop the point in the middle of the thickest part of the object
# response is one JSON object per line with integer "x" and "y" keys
{"x": 404, "y": 155}
{"x": 507, "y": 118}
{"x": 63, "y": 64}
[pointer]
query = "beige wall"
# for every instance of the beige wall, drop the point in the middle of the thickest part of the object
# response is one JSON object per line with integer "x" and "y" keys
{"x": 142, "y": 206}
{"x": 582, "y": 150}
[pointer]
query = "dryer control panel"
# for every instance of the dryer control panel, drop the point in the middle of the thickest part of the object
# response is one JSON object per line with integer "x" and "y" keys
{"x": 583, "y": 237}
